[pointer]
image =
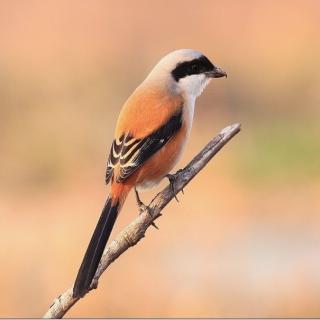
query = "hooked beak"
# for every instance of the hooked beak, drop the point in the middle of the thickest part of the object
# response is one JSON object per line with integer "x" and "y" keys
{"x": 216, "y": 73}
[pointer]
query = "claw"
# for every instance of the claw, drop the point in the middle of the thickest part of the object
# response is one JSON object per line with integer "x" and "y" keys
{"x": 143, "y": 207}
{"x": 172, "y": 178}
{"x": 139, "y": 202}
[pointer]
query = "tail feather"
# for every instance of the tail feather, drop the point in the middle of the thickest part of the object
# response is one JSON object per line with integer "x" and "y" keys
{"x": 96, "y": 247}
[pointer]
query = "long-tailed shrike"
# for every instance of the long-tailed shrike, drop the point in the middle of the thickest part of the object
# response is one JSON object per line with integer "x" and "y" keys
{"x": 151, "y": 133}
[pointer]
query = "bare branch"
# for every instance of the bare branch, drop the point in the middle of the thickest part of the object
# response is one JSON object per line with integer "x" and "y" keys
{"x": 135, "y": 231}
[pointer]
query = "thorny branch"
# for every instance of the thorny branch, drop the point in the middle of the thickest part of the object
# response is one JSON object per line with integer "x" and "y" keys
{"x": 135, "y": 231}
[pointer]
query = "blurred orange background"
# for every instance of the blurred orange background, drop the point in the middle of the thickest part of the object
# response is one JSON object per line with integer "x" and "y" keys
{"x": 244, "y": 240}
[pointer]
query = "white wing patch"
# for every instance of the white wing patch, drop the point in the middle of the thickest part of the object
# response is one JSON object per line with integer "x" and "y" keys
{"x": 130, "y": 153}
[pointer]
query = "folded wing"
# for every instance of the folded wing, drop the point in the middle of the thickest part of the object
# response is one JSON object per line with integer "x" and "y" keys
{"x": 130, "y": 153}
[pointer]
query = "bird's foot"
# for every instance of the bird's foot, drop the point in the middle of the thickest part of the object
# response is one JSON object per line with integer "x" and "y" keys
{"x": 172, "y": 177}
{"x": 142, "y": 207}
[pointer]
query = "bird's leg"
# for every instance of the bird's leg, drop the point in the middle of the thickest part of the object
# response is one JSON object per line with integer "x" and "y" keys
{"x": 172, "y": 177}
{"x": 143, "y": 207}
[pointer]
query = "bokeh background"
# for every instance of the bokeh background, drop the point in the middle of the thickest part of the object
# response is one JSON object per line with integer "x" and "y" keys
{"x": 244, "y": 239}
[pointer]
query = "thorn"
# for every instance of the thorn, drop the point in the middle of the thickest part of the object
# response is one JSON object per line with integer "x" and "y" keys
{"x": 150, "y": 214}
{"x": 154, "y": 225}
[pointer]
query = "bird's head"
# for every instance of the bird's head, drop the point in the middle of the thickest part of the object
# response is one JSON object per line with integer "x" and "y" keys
{"x": 186, "y": 72}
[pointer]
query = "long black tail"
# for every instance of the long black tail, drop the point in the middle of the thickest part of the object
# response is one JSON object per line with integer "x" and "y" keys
{"x": 95, "y": 249}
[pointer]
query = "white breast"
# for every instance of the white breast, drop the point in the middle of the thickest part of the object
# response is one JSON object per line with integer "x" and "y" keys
{"x": 188, "y": 113}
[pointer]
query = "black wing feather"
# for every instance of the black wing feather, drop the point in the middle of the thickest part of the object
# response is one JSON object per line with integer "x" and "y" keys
{"x": 148, "y": 146}
{"x": 131, "y": 153}
{"x": 114, "y": 156}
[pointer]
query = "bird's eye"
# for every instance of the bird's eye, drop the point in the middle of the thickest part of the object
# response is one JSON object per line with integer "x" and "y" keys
{"x": 194, "y": 67}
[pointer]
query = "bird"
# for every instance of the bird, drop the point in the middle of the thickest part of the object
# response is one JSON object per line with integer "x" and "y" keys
{"x": 151, "y": 133}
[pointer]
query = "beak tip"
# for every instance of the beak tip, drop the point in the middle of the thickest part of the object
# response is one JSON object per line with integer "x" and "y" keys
{"x": 220, "y": 73}
{"x": 217, "y": 73}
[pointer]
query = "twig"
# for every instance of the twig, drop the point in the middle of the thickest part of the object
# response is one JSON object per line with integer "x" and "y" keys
{"x": 135, "y": 231}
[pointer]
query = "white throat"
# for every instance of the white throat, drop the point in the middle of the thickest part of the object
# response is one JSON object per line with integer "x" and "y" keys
{"x": 192, "y": 86}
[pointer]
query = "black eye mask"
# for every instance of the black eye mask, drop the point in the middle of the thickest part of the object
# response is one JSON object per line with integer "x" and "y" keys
{"x": 196, "y": 66}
